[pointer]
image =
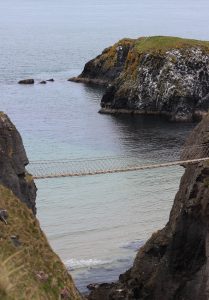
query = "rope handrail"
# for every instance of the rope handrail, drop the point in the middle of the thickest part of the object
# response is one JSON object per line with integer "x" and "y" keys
{"x": 113, "y": 164}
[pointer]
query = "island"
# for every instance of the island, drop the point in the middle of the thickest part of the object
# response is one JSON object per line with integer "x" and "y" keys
{"x": 157, "y": 75}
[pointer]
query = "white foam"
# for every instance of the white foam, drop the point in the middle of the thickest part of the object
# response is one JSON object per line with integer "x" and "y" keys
{"x": 84, "y": 263}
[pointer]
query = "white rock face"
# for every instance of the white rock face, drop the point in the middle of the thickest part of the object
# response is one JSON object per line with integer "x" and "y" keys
{"x": 175, "y": 84}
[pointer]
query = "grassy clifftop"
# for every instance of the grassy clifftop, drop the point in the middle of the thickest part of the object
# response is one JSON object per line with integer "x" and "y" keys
{"x": 29, "y": 269}
{"x": 165, "y": 43}
{"x": 125, "y": 56}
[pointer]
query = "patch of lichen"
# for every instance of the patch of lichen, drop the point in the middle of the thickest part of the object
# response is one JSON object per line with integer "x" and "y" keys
{"x": 131, "y": 65}
{"x": 109, "y": 57}
{"x": 166, "y": 43}
{"x": 28, "y": 178}
{"x": 20, "y": 263}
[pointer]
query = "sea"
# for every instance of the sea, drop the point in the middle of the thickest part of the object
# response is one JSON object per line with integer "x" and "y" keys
{"x": 95, "y": 224}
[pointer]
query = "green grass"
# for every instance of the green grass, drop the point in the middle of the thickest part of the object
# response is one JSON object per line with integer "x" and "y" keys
{"x": 165, "y": 43}
{"x": 19, "y": 265}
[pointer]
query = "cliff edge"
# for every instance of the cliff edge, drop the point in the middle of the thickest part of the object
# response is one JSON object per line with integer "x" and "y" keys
{"x": 153, "y": 75}
{"x": 29, "y": 269}
{"x": 174, "y": 262}
{"x": 13, "y": 161}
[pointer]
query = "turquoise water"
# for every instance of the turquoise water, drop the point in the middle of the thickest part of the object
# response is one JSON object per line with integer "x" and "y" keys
{"x": 94, "y": 223}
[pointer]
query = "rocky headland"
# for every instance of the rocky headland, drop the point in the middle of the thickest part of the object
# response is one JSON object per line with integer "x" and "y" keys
{"x": 167, "y": 76}
{"x": 174, "y": 262}
{"x": 29, "y": 269}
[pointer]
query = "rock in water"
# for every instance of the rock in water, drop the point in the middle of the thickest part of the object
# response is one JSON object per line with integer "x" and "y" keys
{"x": 153, "y": 75}
{"x": 13, "y": 161}
{"x": 26, "y": 81}
{"x": 173, "y": 264}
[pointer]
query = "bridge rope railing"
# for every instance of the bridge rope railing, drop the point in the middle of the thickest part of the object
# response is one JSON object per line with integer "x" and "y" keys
{"x": 103, "y": 165}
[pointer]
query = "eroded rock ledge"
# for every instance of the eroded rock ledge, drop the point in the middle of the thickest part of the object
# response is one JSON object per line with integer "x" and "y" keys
{"x": 174, "y": 263}
{"x": 153, "y": 75}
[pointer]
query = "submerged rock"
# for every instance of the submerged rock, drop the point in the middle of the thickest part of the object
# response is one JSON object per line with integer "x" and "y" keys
{"x": 173, "y": 264}
{"x": 153, "y": 75}
{"x": 26, "y": 81}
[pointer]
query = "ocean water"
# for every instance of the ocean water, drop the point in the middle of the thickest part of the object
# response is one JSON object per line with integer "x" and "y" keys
{"x": 94, "y": 223}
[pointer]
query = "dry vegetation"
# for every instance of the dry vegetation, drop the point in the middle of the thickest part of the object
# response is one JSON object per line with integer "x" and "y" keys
{"x": 29, "y": 269}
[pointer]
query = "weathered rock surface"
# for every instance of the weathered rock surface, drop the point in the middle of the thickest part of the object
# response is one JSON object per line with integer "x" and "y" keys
{"x": 155, "y": 75}
{"x": 29, "y": 269}
{"x": 26, "y": 81}
{"x": 174, "y": 262}
{"x": 13, "y": 161}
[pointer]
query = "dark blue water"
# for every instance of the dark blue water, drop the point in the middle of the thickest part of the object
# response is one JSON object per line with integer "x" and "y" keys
{"x": 91, "y": 221}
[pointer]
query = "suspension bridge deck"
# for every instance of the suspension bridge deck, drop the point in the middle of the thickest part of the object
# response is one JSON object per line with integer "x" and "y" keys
{"x": 94, "y": 166}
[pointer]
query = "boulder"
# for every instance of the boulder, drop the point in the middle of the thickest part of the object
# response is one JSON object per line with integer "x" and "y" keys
{"x": 26, "y": 81}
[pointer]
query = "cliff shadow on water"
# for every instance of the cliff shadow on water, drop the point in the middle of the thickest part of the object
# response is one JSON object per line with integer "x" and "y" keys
{"x": 148, "y": 136}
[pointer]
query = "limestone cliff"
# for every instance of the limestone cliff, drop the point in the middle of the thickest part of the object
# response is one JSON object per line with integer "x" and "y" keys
{"x": 153, "y": 75}
{"x": 174, "y": 262}
{"x": 29, "y": 269}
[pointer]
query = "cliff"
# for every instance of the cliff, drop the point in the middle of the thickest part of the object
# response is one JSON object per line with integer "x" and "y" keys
{"x": 174, "y": 262}
{"x": 29, "y": 269}
{"x": 13, "y": 161}
{"x": 153, "y": 75}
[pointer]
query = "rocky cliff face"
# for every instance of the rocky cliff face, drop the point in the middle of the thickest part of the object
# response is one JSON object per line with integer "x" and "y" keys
{"x": 155, "y": 75}
{"x": 13, "y": 160}
{"x": 29, "y": 269}
{"x": 174, "y": 262}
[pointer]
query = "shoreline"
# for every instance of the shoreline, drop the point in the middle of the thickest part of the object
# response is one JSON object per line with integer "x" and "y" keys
{"x": 197, "y": 115}
{"x": 99, "y": 82}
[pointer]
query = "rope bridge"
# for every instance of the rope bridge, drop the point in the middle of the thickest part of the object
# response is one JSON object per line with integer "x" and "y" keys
{"x": 103, "y": 165}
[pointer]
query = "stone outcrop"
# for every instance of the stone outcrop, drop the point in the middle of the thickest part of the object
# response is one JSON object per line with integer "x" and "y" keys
{"x": 29, "y": 269}
{"x": 13, "y": 161}
{"x": 174, "y": 262}
{"x": 154, "y": 75}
